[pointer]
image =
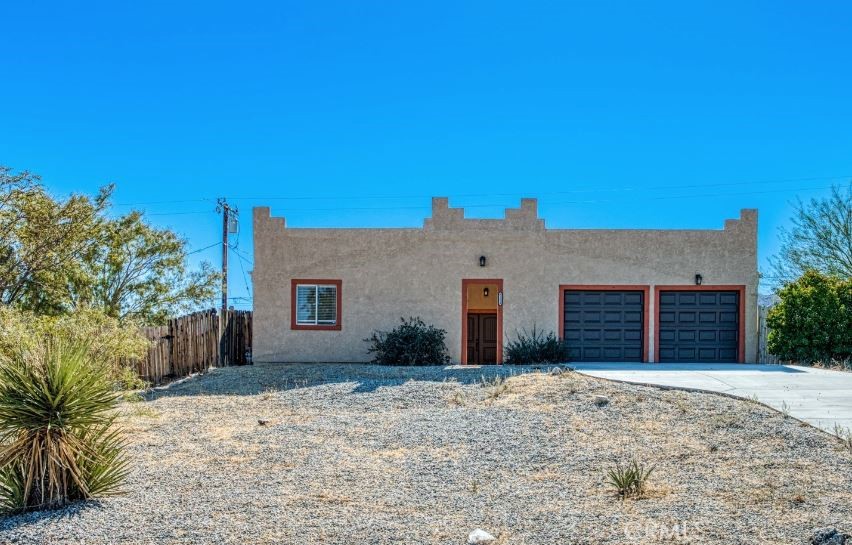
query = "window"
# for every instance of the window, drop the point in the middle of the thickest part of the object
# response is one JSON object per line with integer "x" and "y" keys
{"x": 316, "y": 304}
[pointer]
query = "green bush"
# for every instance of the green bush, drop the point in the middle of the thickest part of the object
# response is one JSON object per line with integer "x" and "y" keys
{"x": 107, "y": 339}
{"x": 813, "y": 320}
{"x": 58, "y": 441}
{"x": 535, "y": 347}
{"x": 410, "y": 343}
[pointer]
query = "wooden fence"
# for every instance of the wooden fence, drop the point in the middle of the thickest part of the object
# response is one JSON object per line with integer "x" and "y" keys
{"x": 763, "y": 355}
{"x": 194, "y": 343}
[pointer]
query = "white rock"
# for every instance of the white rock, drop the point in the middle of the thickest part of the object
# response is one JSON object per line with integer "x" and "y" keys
{"x": 480, "y": 537}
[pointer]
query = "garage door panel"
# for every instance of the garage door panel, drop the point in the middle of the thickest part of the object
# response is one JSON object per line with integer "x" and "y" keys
{"x": 684, "y": 317}
{"x": 728, "y": 299}
{"x": 632, "y": 335}
{"x": 613, "y": 335}
{"x": 591, "y": 335}
{"x": 686, "y": 335}
{"x": 571, "y": 334}
{"x": 613, "y": 299}
{"x": 611, "y": 324}
{"x": 613, "y": 317}
{"x": 591, "y": 317}
{"x": 686, "y": 298}
{"x": 728, "y": 336}
{"x": 633, "y": 298}
{"x": 706, "y": 336}
{"x": 572, "y": 297}
{"x": 727, "y": 354}
{"x": 700, "y": 326}
{"x": 708, "y": 299}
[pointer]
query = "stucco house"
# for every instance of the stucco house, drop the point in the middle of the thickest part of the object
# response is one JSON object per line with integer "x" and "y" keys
{"x": 613, "y": 295}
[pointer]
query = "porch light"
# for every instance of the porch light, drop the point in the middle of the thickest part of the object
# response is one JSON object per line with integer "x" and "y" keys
{"x": 482, "y": 261}
{"x": 698, "y": 279}
{"x": 485, "y": 291}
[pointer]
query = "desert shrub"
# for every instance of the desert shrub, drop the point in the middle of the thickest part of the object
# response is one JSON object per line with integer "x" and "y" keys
{"x": 629, "y": 480}
{"x": 535, "y": 347}
{"x": 58, "y": 441}
{"x": 813, "y": 320}
{"x": 494, "y": 386}
{"x": 107, "y": 339}
{"x": 410, "y": 343}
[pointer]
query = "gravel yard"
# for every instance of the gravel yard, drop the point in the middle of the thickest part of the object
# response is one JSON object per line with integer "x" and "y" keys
{"x": 372, "y": 455}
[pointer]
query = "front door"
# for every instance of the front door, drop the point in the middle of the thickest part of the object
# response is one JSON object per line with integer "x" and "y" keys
{"x": 481, "y": 338}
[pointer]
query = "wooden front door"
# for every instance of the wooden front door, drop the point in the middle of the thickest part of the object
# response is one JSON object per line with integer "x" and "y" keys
{"x": 481, "y": 338}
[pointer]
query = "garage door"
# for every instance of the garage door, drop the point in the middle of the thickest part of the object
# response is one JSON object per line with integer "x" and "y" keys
{"x": 699, "y": 326}
{"x": 604, "y": 325}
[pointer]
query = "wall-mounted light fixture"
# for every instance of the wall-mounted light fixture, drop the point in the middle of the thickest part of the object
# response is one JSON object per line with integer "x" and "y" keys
{"x": 485, "y": 291}
{"x": 698, "y": 279}
{"x": 482, "y": 261}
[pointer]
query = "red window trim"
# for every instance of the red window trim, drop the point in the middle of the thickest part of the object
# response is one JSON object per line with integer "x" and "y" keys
{"x": 327, "y": 282}
{"x": 646, "y": 298}
{"x": 740, "y": 288}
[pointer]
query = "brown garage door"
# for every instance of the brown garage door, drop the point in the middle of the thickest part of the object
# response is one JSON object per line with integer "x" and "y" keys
{"x": 699, "y": 326}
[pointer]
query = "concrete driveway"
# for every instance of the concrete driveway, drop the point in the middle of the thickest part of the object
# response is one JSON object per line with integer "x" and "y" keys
{"x": 817, "y": 396}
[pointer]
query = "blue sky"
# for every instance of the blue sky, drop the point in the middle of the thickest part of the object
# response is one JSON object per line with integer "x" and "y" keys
{"x": 614, "y": 114}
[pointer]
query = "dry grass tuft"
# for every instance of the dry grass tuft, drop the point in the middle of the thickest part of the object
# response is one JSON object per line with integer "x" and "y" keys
{"x": 495, "y": 387}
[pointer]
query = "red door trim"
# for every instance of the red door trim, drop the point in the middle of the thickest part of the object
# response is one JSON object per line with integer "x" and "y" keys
{"x": 741, "y": 341}
{"x": 646, "y": 298}
{"x": 473, "y": 282}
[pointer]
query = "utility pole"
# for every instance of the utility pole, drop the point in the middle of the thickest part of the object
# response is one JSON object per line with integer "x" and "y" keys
{"x": 227, "y": 226}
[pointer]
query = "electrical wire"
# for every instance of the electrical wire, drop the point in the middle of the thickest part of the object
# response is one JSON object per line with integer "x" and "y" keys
{"x": 556, "y": 203}
{"x": 474, "y": 195}
{"x": 205, "y": 248}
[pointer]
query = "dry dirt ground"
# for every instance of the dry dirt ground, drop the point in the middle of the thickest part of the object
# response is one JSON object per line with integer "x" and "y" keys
{"x": 364, "y": 454}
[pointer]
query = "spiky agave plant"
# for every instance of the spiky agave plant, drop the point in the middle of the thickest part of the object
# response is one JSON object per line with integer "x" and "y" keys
{"x": 630, "y": 479}
{"x": 58, "y": 441}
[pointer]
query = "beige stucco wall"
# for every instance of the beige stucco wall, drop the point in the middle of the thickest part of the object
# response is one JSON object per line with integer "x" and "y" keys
{"x": 389, "y": 273}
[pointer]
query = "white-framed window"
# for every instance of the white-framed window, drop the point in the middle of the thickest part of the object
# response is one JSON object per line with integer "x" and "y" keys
{"x": 316, "y": 304}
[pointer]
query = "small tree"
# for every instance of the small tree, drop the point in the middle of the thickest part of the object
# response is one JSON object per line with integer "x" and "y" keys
{"x": 43, "y": 241}
{"x": 820, "y": 239}
{"x": 813, "y": 320}
{"x": 139, "y": 272}
{"x": 410, "y": 343}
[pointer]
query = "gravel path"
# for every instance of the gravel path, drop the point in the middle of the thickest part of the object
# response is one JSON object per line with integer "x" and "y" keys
{"x": 371, "y": 455}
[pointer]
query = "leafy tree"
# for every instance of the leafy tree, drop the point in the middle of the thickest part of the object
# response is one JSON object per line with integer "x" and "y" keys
{"x": 43, "y": 241}
{"x": 813, "y": 320}
{"x": 820, "y": 239}
{"x": 139, "y": 272}
{"x": 59, "y": 256}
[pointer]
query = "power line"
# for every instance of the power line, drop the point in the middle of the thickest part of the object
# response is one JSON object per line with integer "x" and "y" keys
{"x": 202, "y": 249}
{"x": 242, "y": 256}
{"x": 596, "y": 189}
{"x": 556, "y": 203}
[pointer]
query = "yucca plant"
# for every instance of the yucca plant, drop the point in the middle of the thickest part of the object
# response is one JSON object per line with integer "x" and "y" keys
{"x": 629, "y": 480}
{"x": 58, "y": 439}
